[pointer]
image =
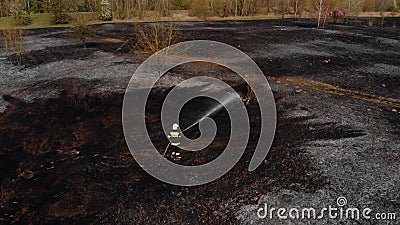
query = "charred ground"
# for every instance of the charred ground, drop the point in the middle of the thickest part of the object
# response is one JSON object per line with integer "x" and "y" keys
{"x": 64, "y": 158}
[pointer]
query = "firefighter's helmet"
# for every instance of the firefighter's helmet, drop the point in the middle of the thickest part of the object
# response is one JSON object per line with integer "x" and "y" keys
{"x": 175, "y": 127}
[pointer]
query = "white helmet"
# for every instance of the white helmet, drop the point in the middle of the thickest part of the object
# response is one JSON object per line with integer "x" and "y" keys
{"x": 175, "y": 127}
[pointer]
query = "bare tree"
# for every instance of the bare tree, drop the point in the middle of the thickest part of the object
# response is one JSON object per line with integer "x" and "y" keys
{"x": 162, "y": 7}
{"x": 200, "y": 8}
{"x": 348, "y": 5}
{"x": 154, "y": 37}
{"x": 381, "y": 6}
{"x": 283, "y": 8}
{"x": 81, "y": 27}
{"x": 5, "y": 7}
{"x": 142, "y": 6}
{"x": 13, "y": 42}
{"x": 236, "y": 7}
{"x": 243, "y": 7}
{"x": 320, "y": 6}
{"x": 59, "y": 10}
{"x": 249, "y": 7}
{"x": 221, "y": 8}
{"x": 296, "y": 7}
{"x": 329, "y": 5}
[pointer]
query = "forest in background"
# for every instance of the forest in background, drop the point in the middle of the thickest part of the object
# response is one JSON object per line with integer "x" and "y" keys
{"x": 128, "y": 9}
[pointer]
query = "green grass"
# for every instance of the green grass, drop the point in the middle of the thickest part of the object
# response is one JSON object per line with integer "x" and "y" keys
{"x": 263, "y": 10}
{"x": 42, "y": 20}
{"x": 38, "y": 21}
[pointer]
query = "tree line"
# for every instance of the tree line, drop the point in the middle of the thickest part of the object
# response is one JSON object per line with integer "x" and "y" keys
{"x": 127, "y": 9}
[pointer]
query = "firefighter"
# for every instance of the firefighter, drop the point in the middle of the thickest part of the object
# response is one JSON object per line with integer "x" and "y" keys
{"x": 174, "y": 139}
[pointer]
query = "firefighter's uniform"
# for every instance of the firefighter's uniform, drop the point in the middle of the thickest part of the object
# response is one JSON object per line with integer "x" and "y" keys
{"x": 174, "y": 138}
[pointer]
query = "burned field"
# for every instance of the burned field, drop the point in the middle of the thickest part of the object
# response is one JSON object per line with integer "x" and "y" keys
{"x": 64, "y": 158}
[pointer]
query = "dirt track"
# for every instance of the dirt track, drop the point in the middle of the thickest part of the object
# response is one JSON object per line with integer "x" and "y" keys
{"x": 64, "y": 159}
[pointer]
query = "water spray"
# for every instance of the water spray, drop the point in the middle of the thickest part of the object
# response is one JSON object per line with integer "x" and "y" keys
{"x": 209, "y": 113}
{"x": 212, "y": 111}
